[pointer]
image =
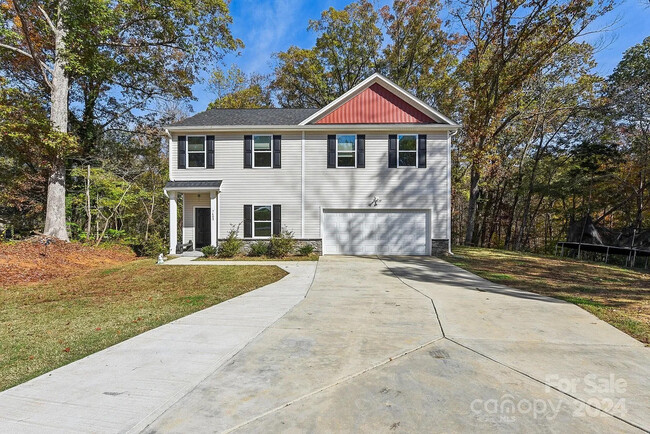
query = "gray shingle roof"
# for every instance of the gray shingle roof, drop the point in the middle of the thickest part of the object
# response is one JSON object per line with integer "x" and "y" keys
{"x": 192, "y": 184}
{"x": 266, "y": 116}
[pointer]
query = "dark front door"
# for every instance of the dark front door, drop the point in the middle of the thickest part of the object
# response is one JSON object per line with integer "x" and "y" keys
{"x": 202, "y": 227}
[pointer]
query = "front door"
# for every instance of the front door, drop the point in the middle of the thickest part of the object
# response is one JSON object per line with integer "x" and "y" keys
{"x": 201, "y": 227}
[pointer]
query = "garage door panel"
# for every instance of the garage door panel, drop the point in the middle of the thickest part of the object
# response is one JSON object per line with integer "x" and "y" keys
{"x": 355, "y": 232}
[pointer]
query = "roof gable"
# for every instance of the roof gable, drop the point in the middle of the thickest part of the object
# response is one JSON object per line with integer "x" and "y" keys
{"x": 377, "y": 100}
{"x": 376, "y": 105}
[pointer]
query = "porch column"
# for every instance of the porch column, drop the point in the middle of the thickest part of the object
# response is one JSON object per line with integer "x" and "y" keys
{"x": 173, "y": 223}
{"x": 213, "y": 218}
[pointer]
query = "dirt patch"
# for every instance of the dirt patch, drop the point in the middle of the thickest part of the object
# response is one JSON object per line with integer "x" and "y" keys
{"x": 33, "y": 260}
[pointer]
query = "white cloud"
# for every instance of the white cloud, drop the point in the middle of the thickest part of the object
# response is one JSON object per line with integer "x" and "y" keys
{"x": 266, "y": 27}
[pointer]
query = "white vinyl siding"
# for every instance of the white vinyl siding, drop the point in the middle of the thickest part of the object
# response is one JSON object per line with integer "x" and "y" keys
{"x": 397, "y": 189}
{"x": 347, "y": 189}
{"x": 245, "y": 186}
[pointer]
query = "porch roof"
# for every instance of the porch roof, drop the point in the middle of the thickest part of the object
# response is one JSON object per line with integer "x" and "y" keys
{"x": 191, "y": 186}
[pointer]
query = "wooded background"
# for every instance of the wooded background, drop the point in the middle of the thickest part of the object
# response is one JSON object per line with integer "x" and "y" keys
{"x": 545, "y": 140}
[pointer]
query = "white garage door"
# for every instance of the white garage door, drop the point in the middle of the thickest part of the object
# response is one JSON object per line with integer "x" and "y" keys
{"x": 375, "y": 232}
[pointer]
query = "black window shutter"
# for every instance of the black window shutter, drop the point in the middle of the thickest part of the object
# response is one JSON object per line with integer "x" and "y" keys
{"x": 248, "y": 221}
{"x": 331, "y": 151}
{"x": 277, "y": 219}
{"x": 392, "y": 150}
{"x": 209, "y": 158}
{"x": 422, "y": 150}
{"x": 277, "y": 145}
{"x": 248, "y": 152}
{"x": 361, "y": 151}
{"x": 182, "y": 140}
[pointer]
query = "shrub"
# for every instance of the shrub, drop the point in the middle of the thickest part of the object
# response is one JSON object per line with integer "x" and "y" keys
{"x": 209, "y": 251}
{"x": 281, "y": 245}
{"x": 231, "y": 246}
{"x": 114, "y": 234}
{"x": 306, "y": 250}
{"x": 259, "y": 248}
{"x": 154, "y": 245}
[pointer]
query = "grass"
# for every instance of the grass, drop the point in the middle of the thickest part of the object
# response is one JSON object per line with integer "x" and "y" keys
{"x": 260, "y": 258}
{"x": 617, "y": 295}
{"x": 49, "y": 324}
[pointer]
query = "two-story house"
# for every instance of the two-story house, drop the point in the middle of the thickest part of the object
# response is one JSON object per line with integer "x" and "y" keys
{"x": 367, "y": 174}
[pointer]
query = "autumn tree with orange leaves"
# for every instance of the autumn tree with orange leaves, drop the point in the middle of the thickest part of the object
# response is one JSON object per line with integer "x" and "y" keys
{"x": 101, "y": 63}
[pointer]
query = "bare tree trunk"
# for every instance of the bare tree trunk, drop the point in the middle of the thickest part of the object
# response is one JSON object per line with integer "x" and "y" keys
{"x": 472, "y": 204}
{"x": 55, "y": 219}
{"x": 89, "y": 215}
{"x": 496, "y": 218}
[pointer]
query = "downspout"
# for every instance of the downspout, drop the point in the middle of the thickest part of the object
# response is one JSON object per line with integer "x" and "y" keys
{"x": 450, "y": 134}
{"x": 302, "y": 186}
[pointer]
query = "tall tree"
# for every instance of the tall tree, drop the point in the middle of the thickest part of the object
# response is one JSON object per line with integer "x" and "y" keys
{"x": 24, "y": 156}
{"x": 420, "y": 55}
{"x": 629, "y": 93}
{"x": 508, "y": 42}
{"x": 235, "y": 89}
{"x": 347, "y": 51}
{"x": 114, "y": 56}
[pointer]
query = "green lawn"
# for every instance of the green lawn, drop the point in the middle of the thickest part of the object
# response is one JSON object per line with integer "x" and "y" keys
{"x": 47, "y": 325}
{"x": 617, "y": 295}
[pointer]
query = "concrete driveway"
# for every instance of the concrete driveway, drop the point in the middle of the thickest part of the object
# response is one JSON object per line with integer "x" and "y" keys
{"x": 416, "y": 344}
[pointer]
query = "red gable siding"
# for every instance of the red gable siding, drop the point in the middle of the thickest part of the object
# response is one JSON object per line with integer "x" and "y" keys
{"x": 376, "y": 105}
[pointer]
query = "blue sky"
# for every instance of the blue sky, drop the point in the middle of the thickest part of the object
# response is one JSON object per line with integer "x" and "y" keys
{"x": 270, "y": 26}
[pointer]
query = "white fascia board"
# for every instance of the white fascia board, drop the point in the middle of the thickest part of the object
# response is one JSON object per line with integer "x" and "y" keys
{"x": 191, "y": 189}
{"x": 383, "y": 81}
{"x": 314, "y": 127}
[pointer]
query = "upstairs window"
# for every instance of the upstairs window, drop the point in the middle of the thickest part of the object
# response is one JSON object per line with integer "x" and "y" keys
{"x": 407, "y": 150}
{"x": 196, "y": 151}
{"x": 262, "y": 221}
{"x": 262, "y": 151}
{"x": 346, "y": 150}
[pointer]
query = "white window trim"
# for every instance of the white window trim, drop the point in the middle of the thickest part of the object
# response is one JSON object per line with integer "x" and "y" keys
{"x": 260, "y": 221}
{"x": 346, "y": 152}
{"x": 187, "y": 152}
{"x": 417, "y": 144}
{"x": 269, "y": 152}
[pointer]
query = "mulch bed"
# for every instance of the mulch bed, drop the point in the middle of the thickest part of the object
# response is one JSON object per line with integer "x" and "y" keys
{"x": 32, "y": 261}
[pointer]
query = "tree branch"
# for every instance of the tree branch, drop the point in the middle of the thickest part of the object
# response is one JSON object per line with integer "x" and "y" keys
{"x": 17, "y": 50}
{"x": 47, "y": 18}
{"x": 25, "y": 53}
{"x": 32, "y": 52}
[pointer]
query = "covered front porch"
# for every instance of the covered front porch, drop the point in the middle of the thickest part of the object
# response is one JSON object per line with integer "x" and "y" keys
{"x": 200, "y": 214}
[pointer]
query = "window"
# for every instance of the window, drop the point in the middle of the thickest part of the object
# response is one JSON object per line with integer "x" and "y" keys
{"x": 196, "y": 151}
{"x": 262, "y": 220}
{"x": 407, "y": 150}
{"x": 262, "y": 153}
{"x": 346, "y": 150}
